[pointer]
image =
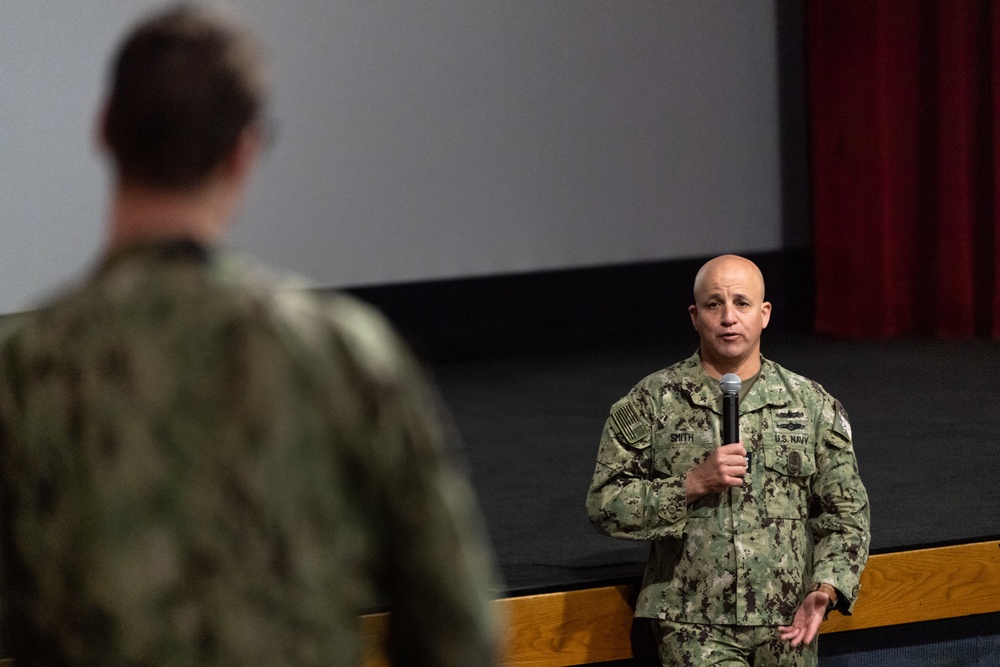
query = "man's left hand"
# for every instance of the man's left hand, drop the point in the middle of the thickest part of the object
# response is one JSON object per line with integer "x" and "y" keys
{"x": 808, "y": 616}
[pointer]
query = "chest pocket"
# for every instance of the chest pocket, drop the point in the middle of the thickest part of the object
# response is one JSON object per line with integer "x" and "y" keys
{"x": 789, "y": 468}
{"x": 675, "y": 452}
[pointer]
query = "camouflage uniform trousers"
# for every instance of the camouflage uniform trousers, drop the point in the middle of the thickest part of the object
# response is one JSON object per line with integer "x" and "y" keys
{"x": 702, "y": 645}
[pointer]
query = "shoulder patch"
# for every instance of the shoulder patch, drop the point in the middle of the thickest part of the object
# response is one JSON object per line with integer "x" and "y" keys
{"x": 841, "y": 424}
{"x": 626, "y": 422}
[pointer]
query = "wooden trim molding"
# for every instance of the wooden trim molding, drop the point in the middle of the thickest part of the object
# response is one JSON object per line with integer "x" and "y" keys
{"x": 595, "y": 625}
{"x": 925, "y": 585}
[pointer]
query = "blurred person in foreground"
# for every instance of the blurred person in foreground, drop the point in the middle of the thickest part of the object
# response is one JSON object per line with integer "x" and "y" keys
{"x": 202, "y": 464}
{"x": 753, "y": 542}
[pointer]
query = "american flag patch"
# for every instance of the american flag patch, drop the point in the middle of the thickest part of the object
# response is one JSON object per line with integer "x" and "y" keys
{"x": 626, "y": 422}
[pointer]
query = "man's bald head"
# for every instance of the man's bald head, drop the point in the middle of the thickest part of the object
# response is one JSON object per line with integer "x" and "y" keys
{"x": 728, "y": 264}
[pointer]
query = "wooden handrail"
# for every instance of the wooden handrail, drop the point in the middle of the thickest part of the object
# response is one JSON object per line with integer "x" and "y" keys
{"x": 594, "y": 625}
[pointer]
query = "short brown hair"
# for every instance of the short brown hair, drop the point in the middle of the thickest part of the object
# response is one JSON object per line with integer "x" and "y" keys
{"x": 185, "y": 84}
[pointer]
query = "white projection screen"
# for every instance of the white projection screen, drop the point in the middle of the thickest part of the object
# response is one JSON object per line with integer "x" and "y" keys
{"x": 427, "y": 139}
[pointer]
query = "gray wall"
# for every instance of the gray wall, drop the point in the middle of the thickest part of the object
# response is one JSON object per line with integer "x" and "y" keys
{"x": 425, "y": 139}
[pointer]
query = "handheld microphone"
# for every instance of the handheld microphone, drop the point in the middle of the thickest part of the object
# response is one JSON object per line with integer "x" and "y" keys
{"x": 730, "y": 386}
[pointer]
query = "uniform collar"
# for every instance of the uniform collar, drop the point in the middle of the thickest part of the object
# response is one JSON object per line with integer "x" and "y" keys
{"x": 703, "y": 390}
{"x": 162, "y": 250}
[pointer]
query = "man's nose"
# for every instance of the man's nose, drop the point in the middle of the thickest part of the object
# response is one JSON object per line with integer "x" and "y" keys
{"x": 729, "y": 314}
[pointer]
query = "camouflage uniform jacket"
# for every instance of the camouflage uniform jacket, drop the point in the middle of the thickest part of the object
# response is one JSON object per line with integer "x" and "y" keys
{"x": 199, "y": 466}
{"x": 746, "y": 556}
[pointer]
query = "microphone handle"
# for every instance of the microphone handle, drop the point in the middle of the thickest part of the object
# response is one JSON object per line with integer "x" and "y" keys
{"x": 730, "y": 418}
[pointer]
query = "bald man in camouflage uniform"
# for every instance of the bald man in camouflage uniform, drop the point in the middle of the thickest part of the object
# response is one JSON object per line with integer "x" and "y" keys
{"x": 204, "y": 464}
{"x": 752, "y": 542}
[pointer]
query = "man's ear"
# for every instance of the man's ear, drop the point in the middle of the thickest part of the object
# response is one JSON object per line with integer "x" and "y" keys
{"x": 241, "y": 160}
{"x": 693, "y": 312}
{"x": 765, "y": 312}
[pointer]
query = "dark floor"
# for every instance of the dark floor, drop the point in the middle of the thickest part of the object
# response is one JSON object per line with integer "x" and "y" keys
{"x": 925, "y": 416}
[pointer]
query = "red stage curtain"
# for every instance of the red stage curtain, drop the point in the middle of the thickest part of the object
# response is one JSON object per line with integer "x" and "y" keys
{"x": 904, "y": 100}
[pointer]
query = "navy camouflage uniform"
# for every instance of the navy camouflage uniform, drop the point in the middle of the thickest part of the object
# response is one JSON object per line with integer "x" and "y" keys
{"x": 201, "y": 464}
{"x": 746, "y": 557}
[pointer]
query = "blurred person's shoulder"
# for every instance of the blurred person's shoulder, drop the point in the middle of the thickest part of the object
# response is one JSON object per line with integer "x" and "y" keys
{"x": 322, "y": 315}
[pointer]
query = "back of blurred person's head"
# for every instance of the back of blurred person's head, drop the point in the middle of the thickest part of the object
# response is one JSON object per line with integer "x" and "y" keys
{"x": 184, "y": 85}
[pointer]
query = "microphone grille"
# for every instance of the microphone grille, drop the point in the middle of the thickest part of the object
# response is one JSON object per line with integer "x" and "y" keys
{"x": 730, "y": 383}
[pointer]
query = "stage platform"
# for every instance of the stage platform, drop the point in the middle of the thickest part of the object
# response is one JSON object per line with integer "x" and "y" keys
{"x": 926, "y": 421}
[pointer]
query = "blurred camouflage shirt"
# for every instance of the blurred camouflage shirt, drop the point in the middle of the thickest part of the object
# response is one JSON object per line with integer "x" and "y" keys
{"x": 199, "y": 466}
{"x": 746, "y": 556}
